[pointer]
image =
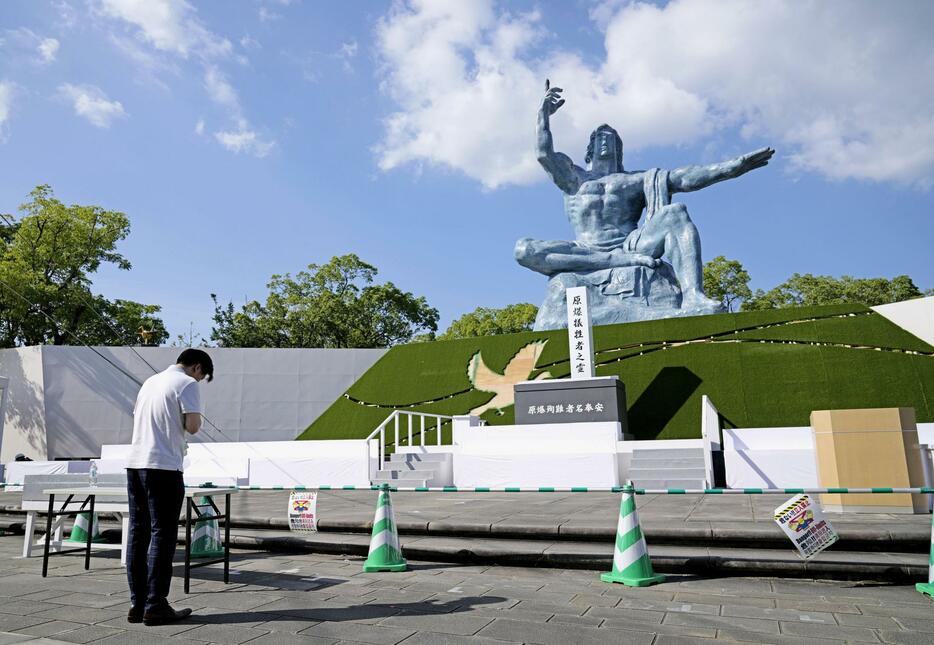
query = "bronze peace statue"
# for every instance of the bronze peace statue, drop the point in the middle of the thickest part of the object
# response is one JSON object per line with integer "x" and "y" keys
{"x": 622, "y": 262}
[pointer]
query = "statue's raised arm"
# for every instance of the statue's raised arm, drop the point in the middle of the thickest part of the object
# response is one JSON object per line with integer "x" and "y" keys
{"x": 690, "y": 178}
{"x": 559, "y": 166}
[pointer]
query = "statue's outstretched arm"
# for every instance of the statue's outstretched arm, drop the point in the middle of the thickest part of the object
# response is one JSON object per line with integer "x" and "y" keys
{"x": 558, "y": 165}
{"x": 696, "y": 177}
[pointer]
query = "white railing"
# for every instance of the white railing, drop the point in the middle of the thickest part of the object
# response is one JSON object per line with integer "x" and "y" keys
{"x": 405, "y": 431}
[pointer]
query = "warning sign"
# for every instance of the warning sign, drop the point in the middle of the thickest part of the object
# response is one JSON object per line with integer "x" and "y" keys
{"x": 303, "y": 512}
{"x": 803, "y": 522}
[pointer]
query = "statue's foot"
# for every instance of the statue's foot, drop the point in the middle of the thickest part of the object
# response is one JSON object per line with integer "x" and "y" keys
{"x": 697, "y": 301}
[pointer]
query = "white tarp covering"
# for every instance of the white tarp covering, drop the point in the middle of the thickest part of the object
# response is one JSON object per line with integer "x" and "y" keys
{"x": 266, "y": 463}
{"x": 15, "y": 471}
{"x": 537, "y": 455}
{"x": 769, "y": 458}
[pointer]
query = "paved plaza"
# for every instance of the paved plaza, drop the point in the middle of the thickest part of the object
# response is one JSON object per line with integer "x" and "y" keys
{"x": 326, "y": 599}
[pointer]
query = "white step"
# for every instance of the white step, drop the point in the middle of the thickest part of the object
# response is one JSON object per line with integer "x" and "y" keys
{"x": 668, "y": 483}
{"x": 643, "y": 462}
{"x": 405, "y": 474}
{"x": 667, "y": 473}
{"x": 423, "y": 457}
{"x": 414, "y": 483}
{"x": 668, "y": 453}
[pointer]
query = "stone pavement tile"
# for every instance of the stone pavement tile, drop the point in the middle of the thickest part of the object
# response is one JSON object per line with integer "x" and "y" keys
{"x": 160, "y": 631}
{"x": 25, "y": 607}
{"x": 919, "y": 611}
{"x": 489, "y": 602}
{"x": 568, "y": 619}
{"x": 236, "y": 600}
{"x": 744, "y": 611}
{"x": 722, "y": 622}
{"x": 282, "y": 624}
{"x": 670, "y": 630}
{"x": 50, "y": 628}
{"x": 284, "y": 638}
{"x": 680, "y": 640}
{"x": 227, "y": 634}
{"x": 728, "y": 586}
{"x": 622, "y": 591}
{"x": 8, "y": 638}
{"x": 623, "y": 613}
{"x": 594, "y": 600}
{"x": 769, "y": 639}
{"x": 919, "y": 624}
{"x": 520, "y": 593}
{"x": 44, "y": 594}
{"x": 681, "y": 607}
{"x": 142, "y": 638}
{"x": 94, "y": 600}
{"x": 87, "y": 615}
{"x": 362, "y": 633}
{"x": 545, "y": 607}
{"x": 719, "y": 599}
{"x": 851, "y": 634}
{"x": 816, "y": 604}
{"x": 384, "y": 594}
{"x": 905, "y": 638}
{"x": 87, "y": 634}
{"x": 436, "y": 638}
{"x": 553, "y": 634}
{"x": 9, "y": 623}
{"x": 514, "y": 614}
{"x": 460, "y": 624}
{"x": 872, "y": 622}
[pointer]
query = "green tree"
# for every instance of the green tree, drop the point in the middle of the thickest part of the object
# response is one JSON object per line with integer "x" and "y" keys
{"x": 727, "y": 281}
{"x": 47, "y": 257}
{"x": 331, "y": 305}
{"x": 805, "y": 290}
{"x": 485, "y": 321}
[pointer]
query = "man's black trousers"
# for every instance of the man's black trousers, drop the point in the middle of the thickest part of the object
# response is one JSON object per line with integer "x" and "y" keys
{"x": 155, "y": 498}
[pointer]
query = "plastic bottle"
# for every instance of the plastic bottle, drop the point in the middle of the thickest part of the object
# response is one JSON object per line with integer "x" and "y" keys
{"x": 92, "y": 474}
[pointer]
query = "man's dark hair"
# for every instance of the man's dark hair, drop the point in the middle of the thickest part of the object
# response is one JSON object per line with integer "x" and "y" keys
{"x": 619, "y": 146}
{"x": 200, "y": 357}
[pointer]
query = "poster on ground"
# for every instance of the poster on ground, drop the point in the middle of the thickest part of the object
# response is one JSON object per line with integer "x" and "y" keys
{"x": 303, "y": 511}
{"x": 803, "y": 521}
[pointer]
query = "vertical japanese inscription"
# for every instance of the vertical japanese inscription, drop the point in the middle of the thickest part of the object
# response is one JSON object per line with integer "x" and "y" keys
{"x": 580, "y": 344}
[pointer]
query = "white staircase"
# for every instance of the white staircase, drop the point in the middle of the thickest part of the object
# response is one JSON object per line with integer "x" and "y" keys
{"x": 667, "y": 468}
{"x": 416, "y": 469}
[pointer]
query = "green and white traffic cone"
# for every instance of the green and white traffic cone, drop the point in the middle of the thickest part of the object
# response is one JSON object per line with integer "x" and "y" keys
{"x": 927, "y": 588}
{"x": 385, "y": 552}
{"x": 206, "y": 538}
{"x": 631, "y": 564}
{"x": 79, "y": 532}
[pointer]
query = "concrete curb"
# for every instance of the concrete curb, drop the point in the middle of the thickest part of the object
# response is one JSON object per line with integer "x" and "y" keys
{"x": 837, "y": 564}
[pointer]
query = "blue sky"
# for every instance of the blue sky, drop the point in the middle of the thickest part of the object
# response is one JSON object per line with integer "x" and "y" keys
{"x": 254, "y": 137}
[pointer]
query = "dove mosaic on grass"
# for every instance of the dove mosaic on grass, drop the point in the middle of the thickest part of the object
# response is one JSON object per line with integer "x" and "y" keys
{"x": 760, "y": 368}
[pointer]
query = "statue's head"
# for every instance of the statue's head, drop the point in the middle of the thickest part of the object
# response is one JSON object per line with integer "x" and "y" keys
{"x": 605, "y": 143}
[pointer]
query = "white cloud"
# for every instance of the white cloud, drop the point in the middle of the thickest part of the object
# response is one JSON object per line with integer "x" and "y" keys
{"x": 199, "y": 127}
{"x": 7, "y": 90}
{"x": 245, "y": 140}
{"x": 267, "y": 15}
{"x": 168, "y": 25}
{"x": 220, "y": 90}
{"x": 48, "y": 49}
{"x": 833, "y": 85}
{"x": 92, "y": 104}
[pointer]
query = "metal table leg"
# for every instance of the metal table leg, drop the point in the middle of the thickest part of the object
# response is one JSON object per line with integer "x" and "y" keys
{"x": 48, "y": 536}
{"x": 87, "y": 555}
{"x": 227, "y": 538}
{"x": 187, "y": 542}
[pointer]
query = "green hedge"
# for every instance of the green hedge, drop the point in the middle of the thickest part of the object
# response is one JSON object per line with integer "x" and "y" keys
{"x": 804, "y": 365}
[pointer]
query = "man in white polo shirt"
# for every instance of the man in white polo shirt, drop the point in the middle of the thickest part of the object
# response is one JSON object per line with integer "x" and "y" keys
{"x": 167, "y": 407}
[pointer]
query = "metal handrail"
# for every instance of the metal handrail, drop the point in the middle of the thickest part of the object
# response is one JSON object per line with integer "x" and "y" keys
{"x": 380, "y": 432}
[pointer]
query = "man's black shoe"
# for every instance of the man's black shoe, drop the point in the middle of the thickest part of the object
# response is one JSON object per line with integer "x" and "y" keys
{"x": 135, "y": 615}
{"x": 164, "y": 615}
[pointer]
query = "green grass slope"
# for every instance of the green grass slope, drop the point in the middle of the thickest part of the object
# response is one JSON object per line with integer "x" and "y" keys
{"x": 763, "y": 368}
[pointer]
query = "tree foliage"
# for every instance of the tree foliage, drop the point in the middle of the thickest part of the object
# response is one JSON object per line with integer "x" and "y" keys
{"x": 727, "y": 281}
{"x": 331, "y": 305}
{"x": 808, "y": 289}
{"x": 485, "y": 321}
{"x": 47, "y": 257}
